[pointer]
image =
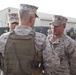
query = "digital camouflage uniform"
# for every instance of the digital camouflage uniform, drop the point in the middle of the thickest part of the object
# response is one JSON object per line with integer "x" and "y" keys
{"x": 51, "y": 61}
{"x": 65, "y": 47}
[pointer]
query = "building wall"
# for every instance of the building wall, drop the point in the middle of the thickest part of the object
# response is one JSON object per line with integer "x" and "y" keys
{"x": 3, "y": 15}
{"x": 44, "y": 19}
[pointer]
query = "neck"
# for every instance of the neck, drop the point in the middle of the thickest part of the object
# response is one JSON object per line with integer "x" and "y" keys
{"x": 57, "y": 36}
{"x": 25, "y": 23}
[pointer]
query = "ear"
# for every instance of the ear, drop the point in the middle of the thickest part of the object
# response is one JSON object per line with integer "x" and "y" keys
{"x": 31, "y": 18}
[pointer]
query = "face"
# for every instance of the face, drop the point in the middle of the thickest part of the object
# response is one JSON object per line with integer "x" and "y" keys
{"x": 57, "y": 30}
{"x": 12, "y": 26}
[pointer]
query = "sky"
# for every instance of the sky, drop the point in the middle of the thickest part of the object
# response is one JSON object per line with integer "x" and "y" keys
{"x": 57, "y": 7}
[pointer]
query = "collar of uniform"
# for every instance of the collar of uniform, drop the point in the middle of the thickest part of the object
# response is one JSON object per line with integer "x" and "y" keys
{"x": 58, "y": 40}
{"x": 22, "y": 30}
{"x": 23, "y": 27}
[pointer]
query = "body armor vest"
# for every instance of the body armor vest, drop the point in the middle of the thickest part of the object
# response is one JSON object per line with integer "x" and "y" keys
{"x": 20, "y": 56}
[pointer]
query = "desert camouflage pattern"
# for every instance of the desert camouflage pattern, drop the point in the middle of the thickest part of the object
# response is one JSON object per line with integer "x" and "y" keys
{"x": 59, "y": 20}
{"x": 50, "y": 58}
{"x": 28, "y": 8}
{"x": 65, "y": 47}
{"x": 13, "y": 17}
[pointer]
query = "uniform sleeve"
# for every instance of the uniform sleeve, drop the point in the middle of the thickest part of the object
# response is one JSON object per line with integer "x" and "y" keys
{"x": 3, "y": 40}
{"x": 2, "y": 44}
{"x": 72, "y": 58}
{"x": 51, "y": 60}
